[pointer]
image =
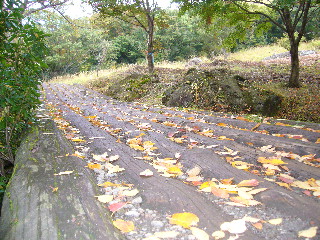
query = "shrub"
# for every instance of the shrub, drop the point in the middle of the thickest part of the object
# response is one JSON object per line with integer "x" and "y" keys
{"x": 21, "y": 53}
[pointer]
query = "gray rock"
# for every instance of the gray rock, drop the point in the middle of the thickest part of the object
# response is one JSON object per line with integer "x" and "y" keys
{"x": 137, "y": 200}
{"x": 132, "y": 213}
{"x": 157, "y": 224}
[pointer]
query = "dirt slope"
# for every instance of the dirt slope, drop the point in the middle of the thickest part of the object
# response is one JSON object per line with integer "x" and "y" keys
{"x": 199, "y": 161}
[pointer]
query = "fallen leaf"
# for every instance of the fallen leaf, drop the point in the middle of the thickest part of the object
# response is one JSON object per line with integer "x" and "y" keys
{"x": 136, "y": 147}
{"x": 146, "y": 173}
{"x": 218, "y": 235}
{"x": 221, "y": 124}
{"x": 275, "y": 221}
{"x": 257, "y": 225}
{"x": 248, "y": 183}
{"x": 124, "y": 226}
{"x": 199, "y": 233}
{"x": 185, "y": 219}
{"x": 236, "y": 226}
{"x": 63, "y": 173}
{"x": 77, "y": 140}
{"x": 219, "y": 192}
{"x": 166, "y": 234}
{"x": 194, "y": 171}
{"x": 116, "y": 206}
{"x": 55, "y": 189}
{"x": 105, "y": 198}
{"x": 130, "y": 193}
{"x": 94, "y": 165}
{"x": 251, "y": 219}
{"x": 258, "y": 190}
{"x": 109, "y": 184}
{"x": 174, "y": 170}
{"x": 308, "y": 233}
{"x": 114, "y": 158}
{"x": 273, "y": 161}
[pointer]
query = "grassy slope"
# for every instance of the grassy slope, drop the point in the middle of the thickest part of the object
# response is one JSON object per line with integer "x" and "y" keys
{"x": 298, "y": 104}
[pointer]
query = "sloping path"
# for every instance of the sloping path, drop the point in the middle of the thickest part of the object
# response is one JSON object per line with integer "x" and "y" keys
{"x": 199, "y": 162}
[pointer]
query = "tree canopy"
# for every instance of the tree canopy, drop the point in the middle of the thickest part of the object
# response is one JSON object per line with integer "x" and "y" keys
{"x": 290, "y": 16}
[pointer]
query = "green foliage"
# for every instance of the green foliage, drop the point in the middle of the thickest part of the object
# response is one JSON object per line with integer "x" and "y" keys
{"x": 285, "y": 43}
{"x": 21, "y": 62}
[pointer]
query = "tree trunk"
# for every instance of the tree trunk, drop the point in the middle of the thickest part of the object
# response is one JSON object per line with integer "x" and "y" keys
{"x": 150, "y": 56}
{"x": 295, "y": 69}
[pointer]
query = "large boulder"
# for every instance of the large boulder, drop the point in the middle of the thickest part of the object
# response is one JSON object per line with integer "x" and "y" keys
{"x": 219, "y": 89}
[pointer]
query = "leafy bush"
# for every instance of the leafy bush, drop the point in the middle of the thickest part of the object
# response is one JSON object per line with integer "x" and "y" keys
{"x": 21, "y": 53}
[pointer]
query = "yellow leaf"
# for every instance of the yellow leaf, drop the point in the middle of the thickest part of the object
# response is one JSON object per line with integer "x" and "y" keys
{"x": 136, "y": 147}
{"x": 124, "y": 226}
{"x": 303, "y": 185}
{"x": 109, "y": 184}
{"x": 174, "y": 170}
{"x": 130, "y": 193}
{"x": 318, "y": 140}
{"x": 77, "y": 140}
{"x": 114, "y": 158}
{"x": 185, "y": 219}
{"x": 93, "y": 166}
{"x": 105, "y": 198}
{"x": 221, "y": 124}
{"x": 55, "y": 189}
{"x": 273, "y": 161}
{"x": 275, "y": 221}
{"x": 199, "y": 233}
{"x": 245, "y": 195}
{"x": 308, "y": 233}
{"x": 207, "y": 184}
{"x": 255, "y": 191}
{"x": 218, "y": 235}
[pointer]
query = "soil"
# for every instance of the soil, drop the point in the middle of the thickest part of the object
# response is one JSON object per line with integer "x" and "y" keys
{"x": 213, "y": 148}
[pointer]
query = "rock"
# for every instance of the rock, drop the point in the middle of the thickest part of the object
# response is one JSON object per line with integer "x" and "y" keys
{"x": 193, "y": 62}
{"x": 220, "y": 90}
{"x": 132, "y": 213}
{"x": 137, "y": 200}
{"x": 157, "y": 224}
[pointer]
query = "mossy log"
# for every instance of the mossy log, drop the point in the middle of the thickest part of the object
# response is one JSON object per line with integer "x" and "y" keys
{"x": 41, "y": 205}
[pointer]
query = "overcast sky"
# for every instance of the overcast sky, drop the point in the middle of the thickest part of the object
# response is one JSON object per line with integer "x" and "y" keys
{"x": 80, "y": 9}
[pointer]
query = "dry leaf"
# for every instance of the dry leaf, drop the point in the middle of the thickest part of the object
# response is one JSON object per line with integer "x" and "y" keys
{"x": 124, "y": 226}
{"x": 275, "y": 221}
{"x": 273, "y": 161}
{"x": 105, "y": 198}
{"x": 308, "y": 233}
{"x": 94, "y": 165}
{"x": 251, "y": 219}
{"x": 146, "y": 173}
{"x": 248, "y": 183}
{"x": 114, "y": 158}
{"x": 199, "y": 233}
{"x": 130, "y": 193}
{"x": 218, "y": 235}
{"x": 194, "y": 171}
{"x": 257, "y": 225}
{"x": 63, "y": 173}
{"x": 167, "y": 234}
{"x": 219, "y": 192}
{"x": 116, "y": 206}
{"x": 174, "y": 170}
{"x": 185, "y": 219}
{"x": 235, "y": 226}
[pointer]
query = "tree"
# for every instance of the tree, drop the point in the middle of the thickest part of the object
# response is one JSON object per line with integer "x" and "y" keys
{"x": 21, "y": 61}
{"x": 294, "y": 15}
{"x": 31, "y": 6}
{"x": 137, "y": 13}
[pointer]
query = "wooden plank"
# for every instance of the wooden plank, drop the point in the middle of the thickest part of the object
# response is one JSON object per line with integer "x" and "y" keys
{"x": 41, "y": 205}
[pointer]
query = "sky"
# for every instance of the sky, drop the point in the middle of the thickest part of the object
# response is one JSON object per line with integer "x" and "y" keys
{"x": 79, "y": 9}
